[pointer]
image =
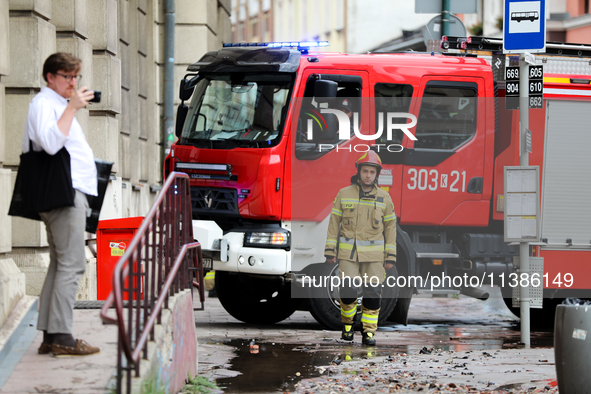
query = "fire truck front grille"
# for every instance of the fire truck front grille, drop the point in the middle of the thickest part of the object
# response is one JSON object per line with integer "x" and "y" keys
{"x": 208, "y": 201}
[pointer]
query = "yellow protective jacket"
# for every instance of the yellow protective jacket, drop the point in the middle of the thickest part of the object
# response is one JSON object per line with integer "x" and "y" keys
{"x": 362, "y": 228}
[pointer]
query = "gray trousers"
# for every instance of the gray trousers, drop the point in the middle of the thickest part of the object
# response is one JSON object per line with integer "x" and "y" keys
{"x": 65, "y": 235}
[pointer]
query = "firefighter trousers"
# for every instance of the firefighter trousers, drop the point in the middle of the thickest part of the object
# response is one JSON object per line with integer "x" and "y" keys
{"x": 368, "y": 276}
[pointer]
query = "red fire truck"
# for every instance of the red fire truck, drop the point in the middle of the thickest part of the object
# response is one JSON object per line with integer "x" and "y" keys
{"x": 260, "y": 144}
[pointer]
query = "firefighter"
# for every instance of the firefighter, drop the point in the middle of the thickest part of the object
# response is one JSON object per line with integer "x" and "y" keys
{"x": 209, "y": 281}
{"x": 362, "y": 238}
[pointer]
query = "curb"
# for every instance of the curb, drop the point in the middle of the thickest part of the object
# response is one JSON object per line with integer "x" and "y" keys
{"x": 23, "y": 335}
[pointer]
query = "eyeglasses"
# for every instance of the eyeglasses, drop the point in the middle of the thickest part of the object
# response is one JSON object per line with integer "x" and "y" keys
{"x": 69, "y": 77}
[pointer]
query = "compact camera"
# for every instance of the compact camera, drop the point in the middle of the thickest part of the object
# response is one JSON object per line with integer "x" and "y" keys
{"x": 97, "y": 97}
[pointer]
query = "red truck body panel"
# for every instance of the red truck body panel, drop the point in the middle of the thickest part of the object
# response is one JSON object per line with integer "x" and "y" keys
{"x": 277, "y": 186}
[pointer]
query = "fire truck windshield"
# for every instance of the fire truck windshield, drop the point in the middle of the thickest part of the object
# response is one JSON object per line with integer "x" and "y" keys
{"x": 230, "y": 110}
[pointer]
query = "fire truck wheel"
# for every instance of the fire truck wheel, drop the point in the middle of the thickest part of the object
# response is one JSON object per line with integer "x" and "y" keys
{"x": 539, "y": 318}
{"x": 324, "y": 301}
{"x": 255, "y": 300}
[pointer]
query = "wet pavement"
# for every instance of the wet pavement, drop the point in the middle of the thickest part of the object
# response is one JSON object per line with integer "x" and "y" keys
{"x": 471, "y": 344}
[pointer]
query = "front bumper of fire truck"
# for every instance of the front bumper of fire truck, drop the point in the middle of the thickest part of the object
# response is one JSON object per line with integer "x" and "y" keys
{"x": 264, "y": 251}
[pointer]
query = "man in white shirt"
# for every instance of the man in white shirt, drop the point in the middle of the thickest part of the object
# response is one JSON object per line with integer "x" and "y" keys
{"x": 51, "y": 125}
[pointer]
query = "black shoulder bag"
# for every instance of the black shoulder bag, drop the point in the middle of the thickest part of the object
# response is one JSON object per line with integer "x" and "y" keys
{"x": 43, "y": 183}
{"x": 103, "y": 171}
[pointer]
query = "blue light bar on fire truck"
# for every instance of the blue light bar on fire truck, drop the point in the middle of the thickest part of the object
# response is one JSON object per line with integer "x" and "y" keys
{"x": 292, "y": 44}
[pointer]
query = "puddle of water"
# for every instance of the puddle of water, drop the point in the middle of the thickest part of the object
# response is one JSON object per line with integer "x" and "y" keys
{"x": 274, "y": 367}
{"x": 279, "y": 366}
{"x": 468, "y": 337}
{"x": 537, "y": 340}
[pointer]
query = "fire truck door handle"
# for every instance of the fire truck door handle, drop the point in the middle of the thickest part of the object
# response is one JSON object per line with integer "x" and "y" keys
{"x": 475, "y": 185}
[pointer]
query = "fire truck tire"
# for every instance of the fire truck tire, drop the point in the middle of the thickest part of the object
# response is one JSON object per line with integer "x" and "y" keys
{"x": 539, "y": 318}
{"x": 255, "y": 300}
{"x": 324, "y": 303}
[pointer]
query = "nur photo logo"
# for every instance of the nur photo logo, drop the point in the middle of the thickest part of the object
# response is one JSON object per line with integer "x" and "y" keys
{"x": 318, "y": 118}
{"x": 387, "y": 122}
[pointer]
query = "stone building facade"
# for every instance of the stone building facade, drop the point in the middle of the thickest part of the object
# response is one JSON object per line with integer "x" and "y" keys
{"x": 121, "y": 44}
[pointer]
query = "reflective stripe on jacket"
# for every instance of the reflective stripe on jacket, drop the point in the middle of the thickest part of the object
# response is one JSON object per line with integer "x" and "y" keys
{"x": 364, "y": 228}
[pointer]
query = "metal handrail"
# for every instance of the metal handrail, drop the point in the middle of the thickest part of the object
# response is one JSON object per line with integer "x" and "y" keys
{"x": 164, "y": 242}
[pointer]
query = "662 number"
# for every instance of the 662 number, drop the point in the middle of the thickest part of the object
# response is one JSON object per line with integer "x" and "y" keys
{"x": 535, "y": 102}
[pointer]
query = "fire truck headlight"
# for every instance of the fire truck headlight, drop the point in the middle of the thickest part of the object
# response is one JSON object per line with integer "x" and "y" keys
{"x": 269, "y": 239}
{"x": 240, "y": 260}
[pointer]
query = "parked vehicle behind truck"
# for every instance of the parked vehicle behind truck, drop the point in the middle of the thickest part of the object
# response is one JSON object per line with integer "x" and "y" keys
{"x": 266, "y": 159}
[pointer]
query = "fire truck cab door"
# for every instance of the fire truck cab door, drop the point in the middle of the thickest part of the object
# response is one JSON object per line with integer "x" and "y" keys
{"x": 318, "y": 169}
{"x": 443, "y": 170}
{"x": 318, "y": 164}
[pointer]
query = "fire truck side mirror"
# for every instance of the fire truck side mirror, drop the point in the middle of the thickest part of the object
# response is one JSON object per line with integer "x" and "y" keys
{"x": 325, "y": 91}
{"x": 181, "y": 114}
{"x": 185, "y": 92}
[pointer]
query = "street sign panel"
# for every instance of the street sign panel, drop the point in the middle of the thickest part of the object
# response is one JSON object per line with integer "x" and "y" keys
{"x": 524, "y": 27}
{"x": 455, "y": 6}
{"x": 536, "y": 86}
{"x": 498, "y": 66}
{"x": 433, "y": 30}
{"x": 512, "y": 87}
{"x": 522, "y": 203}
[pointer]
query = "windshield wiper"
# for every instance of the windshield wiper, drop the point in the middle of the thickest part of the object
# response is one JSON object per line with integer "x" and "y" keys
{"x": 248, "y": 143}
{"x": 201, "y": 142}
{"x": 198, "y": 141}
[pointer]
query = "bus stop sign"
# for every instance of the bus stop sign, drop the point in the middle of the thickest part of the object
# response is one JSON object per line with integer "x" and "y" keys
{"x": 524, "y": 26}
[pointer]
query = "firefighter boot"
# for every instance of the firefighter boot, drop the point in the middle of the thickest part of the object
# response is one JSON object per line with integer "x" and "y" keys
{"x": 369, "y": 319}
{"x": 368, "y": 339}
{"x": 348, "y": 312}
{"x": 348, "y": 333}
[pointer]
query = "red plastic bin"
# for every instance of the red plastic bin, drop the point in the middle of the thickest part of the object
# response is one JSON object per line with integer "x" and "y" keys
{"x": 112, "y": 239}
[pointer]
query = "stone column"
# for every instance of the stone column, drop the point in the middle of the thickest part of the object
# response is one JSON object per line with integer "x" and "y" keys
{"x": 32, "y": 40}
{"x": 138, "y": 155}
{"x": 105, "y": 117}
{"x": 12, "y": 280}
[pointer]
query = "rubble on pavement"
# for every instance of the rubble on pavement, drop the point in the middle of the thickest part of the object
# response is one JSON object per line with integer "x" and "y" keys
{"x": 439, "y": 371}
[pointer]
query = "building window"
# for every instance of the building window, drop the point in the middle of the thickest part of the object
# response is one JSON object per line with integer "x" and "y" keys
{"x": 340, "y": 13}
{"x": 255, "y": 28}
{"x": 327, "y": 16}
{"x": 305, "y": 32}
{"x": 290, "y": 22}
{"x": 239, "y": 33}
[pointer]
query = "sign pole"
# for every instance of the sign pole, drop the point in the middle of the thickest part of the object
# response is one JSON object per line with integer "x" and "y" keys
{"x": 524, "y": 29}
{"x": 524, "y": 161}
{"x": 445, "y": 8}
